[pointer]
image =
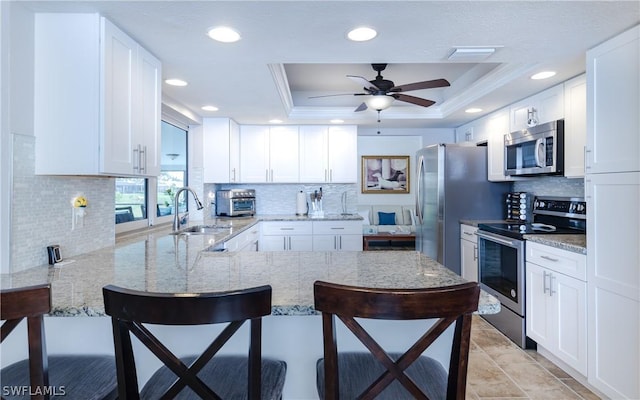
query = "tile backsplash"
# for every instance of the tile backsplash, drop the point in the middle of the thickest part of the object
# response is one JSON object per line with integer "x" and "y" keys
{"x": 41, "y": 211}
{"x": 551, "y": 186}
{"x": 281, "y": 199}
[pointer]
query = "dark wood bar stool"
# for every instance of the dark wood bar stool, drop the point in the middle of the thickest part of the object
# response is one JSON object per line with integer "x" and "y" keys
{"x": 208, "y": 376}
{"x": 58, "y": 376}
{"x": 381, "y": 375}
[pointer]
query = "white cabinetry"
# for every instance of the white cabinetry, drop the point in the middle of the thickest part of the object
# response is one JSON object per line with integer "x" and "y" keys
{"x": 612, "y": 188}
{"x": 245, "y": 241}
{"x": 269, "y": 154}
{"x": 544, "y": 107}
{"x": 614, "y": 282}
{"x": 337, "y": 236}
{"x": 497, "y": 125}
{"x": 221, "y": 150}
{"x": 328, "y": 154}
{"x": 575, "y": 126}
{"x": 469, "y": 252}
{"x": 97, "y": 99}
{"x": 286, "y": 236}
{"x": 613, "y": 142}
{"x": 557, "y": 303}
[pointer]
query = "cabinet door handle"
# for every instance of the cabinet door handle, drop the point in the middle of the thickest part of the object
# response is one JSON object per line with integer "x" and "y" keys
{"x": 284, "y": 243}
{"x": 340, "y": 242}
{"x": 550, "y": 258}
{"x": 266, "y": 175}
{"x": 234, "y": 175}
{"x": 551, "y": 279}
{"x": 289, "y": 242}
{"x": 335, "y": 243}
{"x": 545, "y": 289}
{"x": 330, "y": 175}
{"x": 475, "y": 253}
{"x": 136, "y": 159}
{"x": 143, "y": 164}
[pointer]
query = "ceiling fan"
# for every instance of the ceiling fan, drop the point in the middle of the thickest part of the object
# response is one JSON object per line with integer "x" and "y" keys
{"x": 383, "y": 91}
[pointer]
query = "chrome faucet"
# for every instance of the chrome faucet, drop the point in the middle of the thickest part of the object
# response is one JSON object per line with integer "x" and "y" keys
{"x": 178, "y": 220}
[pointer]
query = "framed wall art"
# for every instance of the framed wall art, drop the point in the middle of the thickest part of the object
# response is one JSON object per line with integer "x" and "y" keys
{"x": 385, "y": 174}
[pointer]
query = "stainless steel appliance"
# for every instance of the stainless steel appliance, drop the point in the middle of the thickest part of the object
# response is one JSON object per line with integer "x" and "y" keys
{"x": 235, "y": 202}
{"x": 501, "y": 258}
{"x": 534, "y": 151}
{"x": 452, "y": 185}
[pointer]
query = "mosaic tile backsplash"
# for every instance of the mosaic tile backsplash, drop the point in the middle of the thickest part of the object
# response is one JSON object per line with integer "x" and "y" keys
{"x": 281, "y": 199}
{"x": 42, "y": 214}
{"x": 551, "y": 186}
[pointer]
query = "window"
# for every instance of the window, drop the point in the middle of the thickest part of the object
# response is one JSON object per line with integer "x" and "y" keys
{"x": 131, "y": 199}
{"x": 133, "y": 195}
{"x": 173, "y": 169}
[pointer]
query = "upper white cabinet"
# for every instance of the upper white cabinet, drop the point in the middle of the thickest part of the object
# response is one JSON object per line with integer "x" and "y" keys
{"x": 221, "y": 150}
{"x": 328, "y": 154}
{"x": 97, "y": 99}
{"x": 496, "y": 125}
{"x": 575, "y": 126}
{"x": 543, "y": 107}
{"x": 613, "y": 142}
{"x": 269, "y": 154}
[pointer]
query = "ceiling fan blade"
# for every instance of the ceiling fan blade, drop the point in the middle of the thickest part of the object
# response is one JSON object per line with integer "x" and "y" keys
{"x": 413, "y": 100}
{"x": 436, "y": 83}
{"x": 363, "y": 82}
{"x": 361, "y": 107}
{"x": 333, "y": 95}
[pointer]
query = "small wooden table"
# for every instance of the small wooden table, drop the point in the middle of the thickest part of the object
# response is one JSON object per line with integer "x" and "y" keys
{"x": 390, "y": 237}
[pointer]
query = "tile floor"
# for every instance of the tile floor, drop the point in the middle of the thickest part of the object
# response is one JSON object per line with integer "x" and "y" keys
{"x": 498, "y": 369}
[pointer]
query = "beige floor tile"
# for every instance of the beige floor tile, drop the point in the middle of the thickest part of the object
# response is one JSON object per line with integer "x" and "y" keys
{"x": 488, "y": 380}
{"x": 537, "y": 382}
{"x": 580, "y": 389}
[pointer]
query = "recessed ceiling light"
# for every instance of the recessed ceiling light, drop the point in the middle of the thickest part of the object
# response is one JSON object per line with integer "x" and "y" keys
{"x": 223, "y": 34}
{"x": 543, "y": 75}
{"x": 336, "y": 121}
{"x": 176, "y": 82}
{"x": 473, "y": 110}
{"x": 362, "y": 34}
{"x": 210, "y": 108}
{"x": 275, "y": 121}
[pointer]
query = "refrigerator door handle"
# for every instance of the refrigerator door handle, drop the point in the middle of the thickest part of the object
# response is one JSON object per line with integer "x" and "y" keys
{"x": 419, "y": 190}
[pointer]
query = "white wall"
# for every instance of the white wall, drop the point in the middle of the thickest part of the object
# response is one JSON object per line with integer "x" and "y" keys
{"x": 398, "y": 146}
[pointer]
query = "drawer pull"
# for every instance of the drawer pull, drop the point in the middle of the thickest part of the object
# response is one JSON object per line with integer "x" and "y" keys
{"x": 287, "y": 229}
{"x": 550, "y": 258}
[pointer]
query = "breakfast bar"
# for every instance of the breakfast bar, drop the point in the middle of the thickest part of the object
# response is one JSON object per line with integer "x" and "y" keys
{"x": 161, "y": 262}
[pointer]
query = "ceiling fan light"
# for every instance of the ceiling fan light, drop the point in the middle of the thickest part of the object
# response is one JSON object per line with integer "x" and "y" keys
{"x": 362, "y": 34}
{"x": 379, "y": 102}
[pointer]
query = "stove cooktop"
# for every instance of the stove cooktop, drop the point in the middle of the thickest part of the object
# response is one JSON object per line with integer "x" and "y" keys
{"x": 518, "y": 230}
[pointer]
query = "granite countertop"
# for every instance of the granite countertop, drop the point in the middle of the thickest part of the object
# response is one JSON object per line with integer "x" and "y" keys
{"x": 573, "y": 243}
{"x": 157, "y": 261}
{"x": 475, "y": 222}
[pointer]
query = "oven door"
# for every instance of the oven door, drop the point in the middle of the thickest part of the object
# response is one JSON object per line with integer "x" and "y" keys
{"x": 501, "y": 269}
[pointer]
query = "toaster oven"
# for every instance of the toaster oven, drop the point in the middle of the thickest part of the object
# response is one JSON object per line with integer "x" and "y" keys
{"x": 235, "y": 202}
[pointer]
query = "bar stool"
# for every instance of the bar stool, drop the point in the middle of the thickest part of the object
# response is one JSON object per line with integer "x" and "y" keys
{"x": 85, "y": 377}
{"x": 378, "y": 374}
{"x": 208, "y": 376}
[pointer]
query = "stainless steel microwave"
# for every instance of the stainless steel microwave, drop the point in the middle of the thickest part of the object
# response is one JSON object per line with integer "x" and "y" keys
{"x": 538, "y": 150}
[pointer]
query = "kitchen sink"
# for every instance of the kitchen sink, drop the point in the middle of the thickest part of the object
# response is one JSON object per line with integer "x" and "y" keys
{"x": 203, "y": 230}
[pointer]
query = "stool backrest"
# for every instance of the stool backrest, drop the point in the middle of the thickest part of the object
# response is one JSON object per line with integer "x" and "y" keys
{"x": 130, "y": 309}
{"x": 32, "y": 303}
{"x": 449, "y": 305}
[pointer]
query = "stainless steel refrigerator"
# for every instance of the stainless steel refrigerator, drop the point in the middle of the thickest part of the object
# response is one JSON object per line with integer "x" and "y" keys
{"x": 453, "y": 185}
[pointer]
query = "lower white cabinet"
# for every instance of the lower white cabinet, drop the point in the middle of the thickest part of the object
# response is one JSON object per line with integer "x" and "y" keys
{"x": 337, "y": 235}
{"x": 286, "y": 236}
{"x": 556, "y": 304}
{"x": 244, "y": 241}
{"x": 469, "y": 252}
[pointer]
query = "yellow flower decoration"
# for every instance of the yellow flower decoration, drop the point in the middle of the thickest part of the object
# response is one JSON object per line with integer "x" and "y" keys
{"x": 79, "y": 201}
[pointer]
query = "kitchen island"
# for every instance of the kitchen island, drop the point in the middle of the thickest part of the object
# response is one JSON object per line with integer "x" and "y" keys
{"x": 161, "y": 262}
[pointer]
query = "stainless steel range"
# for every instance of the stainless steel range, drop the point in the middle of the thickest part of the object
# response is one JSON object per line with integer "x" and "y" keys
{"x": 501, "y": 258}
